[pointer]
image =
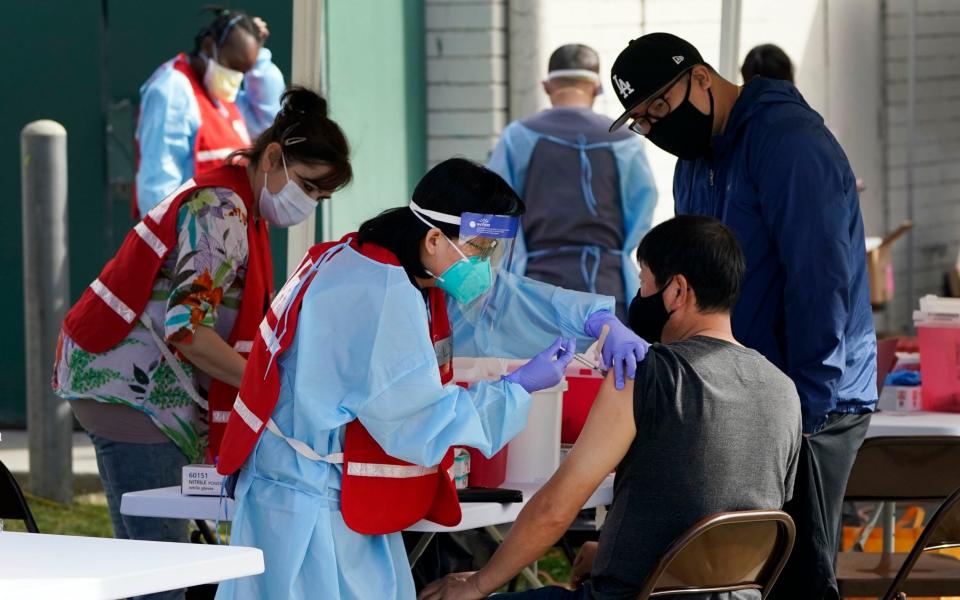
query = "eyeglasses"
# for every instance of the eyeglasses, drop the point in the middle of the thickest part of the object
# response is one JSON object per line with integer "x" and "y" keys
{"x": 482, "y": 250}
{"x": 658, "y": 109}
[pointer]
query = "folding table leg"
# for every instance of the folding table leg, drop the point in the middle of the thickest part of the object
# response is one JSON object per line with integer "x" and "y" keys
{"x": 528, "y": 573}
{"x": 861, "y": 541}
{"x": 420, "y": 548}
{"x": 889, "y": 519}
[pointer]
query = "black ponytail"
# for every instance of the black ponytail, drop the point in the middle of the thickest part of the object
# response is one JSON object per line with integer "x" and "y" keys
{"x": 306, "y": 134}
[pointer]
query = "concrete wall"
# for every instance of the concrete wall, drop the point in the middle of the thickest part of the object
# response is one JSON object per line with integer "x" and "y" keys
{"x": 936, "y": 183}
{"x": 466, "y": 46}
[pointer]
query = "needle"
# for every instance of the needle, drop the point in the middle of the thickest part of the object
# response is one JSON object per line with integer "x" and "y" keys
{"x": 583, "y": 361}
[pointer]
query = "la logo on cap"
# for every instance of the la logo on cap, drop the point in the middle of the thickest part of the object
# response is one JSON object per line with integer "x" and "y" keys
{"x": 623, "y": 86}
{"x": 678, "y": 59}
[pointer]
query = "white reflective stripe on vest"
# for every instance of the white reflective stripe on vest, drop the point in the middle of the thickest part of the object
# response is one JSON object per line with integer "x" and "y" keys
{"x": 218, "y": 154}
{"x": 247, "y": 415}
{"x": 390, "y": 471}
{"x": 269, "y": 338}
{"x": 158, "y": 212}
{"x": 158, "y": 247}
{"x": 125, "y": 312}
{"x": 303, "y": 449}
{"x": 243, "y": 346}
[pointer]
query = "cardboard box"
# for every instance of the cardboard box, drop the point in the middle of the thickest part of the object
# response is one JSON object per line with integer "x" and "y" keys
{"x": 953, "y": 279}
{"x": 901, "y": 398}
{"x": 880, "y": 265}
{"x": 201, "y": 480}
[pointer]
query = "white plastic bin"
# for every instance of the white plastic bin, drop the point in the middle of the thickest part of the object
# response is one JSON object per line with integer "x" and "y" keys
{"x": 535, "y": 452}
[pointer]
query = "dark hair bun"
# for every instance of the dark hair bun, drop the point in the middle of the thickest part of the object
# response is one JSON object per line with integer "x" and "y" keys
{"x": 300, "y": 100}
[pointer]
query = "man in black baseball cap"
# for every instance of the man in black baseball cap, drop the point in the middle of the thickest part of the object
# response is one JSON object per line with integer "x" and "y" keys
{"x": 661, "y": 74}
{"x": 762, "y": 161}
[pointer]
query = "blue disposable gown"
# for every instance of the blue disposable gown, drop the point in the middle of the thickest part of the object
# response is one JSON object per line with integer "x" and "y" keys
{"x": 512, "y": 157}
{"x": 362, "y": 351}
{"x": 170, "y": 118}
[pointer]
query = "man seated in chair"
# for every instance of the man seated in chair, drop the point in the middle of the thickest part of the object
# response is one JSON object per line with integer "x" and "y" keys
{"x": 707, "y": 426}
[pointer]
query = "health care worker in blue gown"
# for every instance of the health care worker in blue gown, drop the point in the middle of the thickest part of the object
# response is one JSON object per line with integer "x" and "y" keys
{"x": 356, "y": 337}
{"x": 199, "y": 107}
{"x": 589, "y": 193}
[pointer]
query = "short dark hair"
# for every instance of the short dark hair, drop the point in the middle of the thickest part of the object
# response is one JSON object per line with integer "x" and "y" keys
{"x": 306, "y": 134}
{"x": 574, "y": 56}
{"x": 767, "y": 60}
{"x": 701, "y": 249}
{"x": 454, "y": 186}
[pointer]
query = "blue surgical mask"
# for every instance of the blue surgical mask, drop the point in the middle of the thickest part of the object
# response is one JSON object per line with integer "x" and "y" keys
{"x": 467, "y": 279}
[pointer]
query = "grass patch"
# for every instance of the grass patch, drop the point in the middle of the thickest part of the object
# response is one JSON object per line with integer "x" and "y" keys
{"x": 553, "y": 568}
{"x": 88, "y": 515}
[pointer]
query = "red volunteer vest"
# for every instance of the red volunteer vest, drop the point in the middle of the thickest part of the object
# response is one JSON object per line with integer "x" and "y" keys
{"x": 111, "y": 306}
{"x": 222, "y": 128}
{"x": 379, "y": 493}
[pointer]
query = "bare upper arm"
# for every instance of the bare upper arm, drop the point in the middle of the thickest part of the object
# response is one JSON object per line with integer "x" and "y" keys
{"x": 604, "y": 441}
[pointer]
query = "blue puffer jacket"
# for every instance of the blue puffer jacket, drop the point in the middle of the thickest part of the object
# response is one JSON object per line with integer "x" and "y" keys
{"x": 779, "y": 179}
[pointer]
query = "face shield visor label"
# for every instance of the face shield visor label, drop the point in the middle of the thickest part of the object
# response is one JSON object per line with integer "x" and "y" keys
{"x": 474, "y": 225}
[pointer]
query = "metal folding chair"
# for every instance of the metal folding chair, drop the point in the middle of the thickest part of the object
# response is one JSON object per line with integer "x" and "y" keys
{"x": 932, "y": 574}
{"x": 725, "y": 552}
{"x": 12, "y": 503}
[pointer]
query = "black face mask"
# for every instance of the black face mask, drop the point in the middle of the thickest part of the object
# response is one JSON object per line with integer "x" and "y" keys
{"x": 648, "y": 316}
{"x": 685, "y": 132}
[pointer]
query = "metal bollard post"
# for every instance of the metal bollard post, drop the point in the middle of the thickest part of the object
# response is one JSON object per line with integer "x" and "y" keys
{"x": 46, "y": 297}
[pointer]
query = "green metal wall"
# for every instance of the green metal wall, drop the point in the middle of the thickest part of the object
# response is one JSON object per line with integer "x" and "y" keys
{"x": 81, "y": 63}
{"x": 377, "y": 83}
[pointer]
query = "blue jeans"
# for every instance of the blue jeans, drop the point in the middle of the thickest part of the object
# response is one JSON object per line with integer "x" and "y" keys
{"x": 126, "y": 467}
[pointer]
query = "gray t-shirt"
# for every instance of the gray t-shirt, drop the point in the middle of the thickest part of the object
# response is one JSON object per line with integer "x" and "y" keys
{"x": 718, "y": 429}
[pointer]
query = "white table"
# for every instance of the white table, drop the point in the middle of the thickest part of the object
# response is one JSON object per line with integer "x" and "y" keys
{"x": 169, "y": 503}
{"x": 34, "y": 565}
{"x": 888, "y": 423}
{"x": 919, "y": 423}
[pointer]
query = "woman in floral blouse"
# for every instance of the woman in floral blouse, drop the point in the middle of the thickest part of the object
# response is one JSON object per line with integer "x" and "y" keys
{"x": 144, "y": 423}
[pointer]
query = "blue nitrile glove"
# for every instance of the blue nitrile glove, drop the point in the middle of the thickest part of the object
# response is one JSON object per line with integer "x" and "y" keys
{"x": 622, "y": 349}
{"x": 543, "y": 371}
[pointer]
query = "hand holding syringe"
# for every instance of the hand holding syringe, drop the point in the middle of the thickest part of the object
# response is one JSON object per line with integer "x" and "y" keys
{"x": 597, "y": 366}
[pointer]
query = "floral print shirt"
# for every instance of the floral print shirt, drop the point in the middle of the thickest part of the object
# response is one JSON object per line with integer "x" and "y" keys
{"x": 199, "y": 284}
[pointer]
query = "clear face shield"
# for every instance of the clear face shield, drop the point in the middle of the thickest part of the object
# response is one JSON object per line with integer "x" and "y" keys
{"x": 485, "y": 245}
